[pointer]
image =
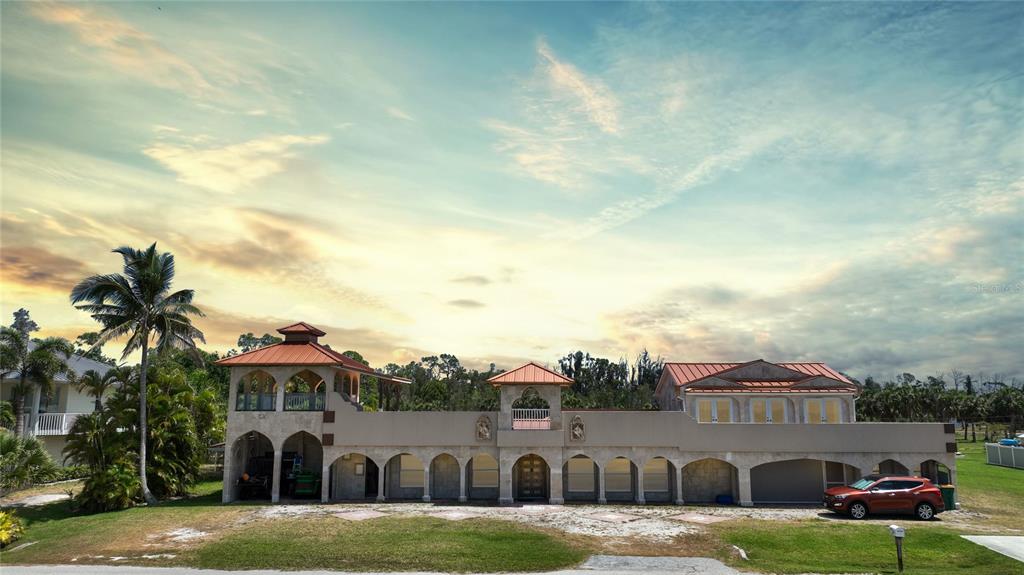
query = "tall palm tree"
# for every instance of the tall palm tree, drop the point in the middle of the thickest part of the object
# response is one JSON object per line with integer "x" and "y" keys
{"x": 96, "y": 384}
{"x": 34, "y": 364}
{"x": 138, "y": 303}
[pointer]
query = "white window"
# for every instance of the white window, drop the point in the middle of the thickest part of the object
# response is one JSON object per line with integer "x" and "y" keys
{"x": 485, "y": 471}
{"x": 618, "y": 476}
{"x": 714, "y": 410}
{"x": 581, "y": 474}
{"x": 768, "y": 410}
{"x": 656, "y": 476}
{"x": 410, "y": 473}
{"x": 822, "y": 410}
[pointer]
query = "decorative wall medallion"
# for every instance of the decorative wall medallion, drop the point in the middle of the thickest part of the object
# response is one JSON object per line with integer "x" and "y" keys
{"x": 483, "y": 428}
{"x": 577, "y": 430}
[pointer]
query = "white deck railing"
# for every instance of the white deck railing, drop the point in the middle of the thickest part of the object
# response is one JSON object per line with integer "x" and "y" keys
{"x": 55, "y": 423}
{"x": 303, "y": 402}
{"x": 531, "y": 418}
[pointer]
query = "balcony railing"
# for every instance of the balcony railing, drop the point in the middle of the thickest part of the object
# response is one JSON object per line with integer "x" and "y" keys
{"x": 303, "y": 402}
{"x": 531, "y": 418}
{"x": 55, "y": 423}
{"x": 256, "y": 402}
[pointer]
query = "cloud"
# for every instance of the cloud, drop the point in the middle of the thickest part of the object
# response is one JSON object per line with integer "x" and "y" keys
{"x": 473, "y": 279}
{"x": 127, "y": 48}
{"x": 37, "y": 268}
{"x": 230, "y": 168}
{"x": 400, "y": 114}
{"x": 222, "y": 328}
{"x": 592, "y": 96}
{"x": 467, "y": 303}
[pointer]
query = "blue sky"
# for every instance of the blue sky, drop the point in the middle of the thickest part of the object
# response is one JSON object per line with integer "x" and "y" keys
{"x": 831, "y": 182}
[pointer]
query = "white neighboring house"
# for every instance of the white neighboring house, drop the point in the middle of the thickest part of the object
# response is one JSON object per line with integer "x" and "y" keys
{"x": 50, "y": 417}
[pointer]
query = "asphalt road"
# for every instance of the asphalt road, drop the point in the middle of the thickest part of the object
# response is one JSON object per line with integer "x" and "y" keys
{"x": 598, "y": 564}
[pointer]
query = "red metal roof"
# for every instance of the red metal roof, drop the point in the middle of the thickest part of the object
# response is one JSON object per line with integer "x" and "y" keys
{"x": 300, "y": 327}
{"x": 685, "y": 373}
{"x": 530, "y": 373}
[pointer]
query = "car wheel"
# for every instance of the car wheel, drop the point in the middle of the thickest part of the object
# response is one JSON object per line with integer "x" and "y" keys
{"x": 925, "y": 512}
{"x": 858, "y": 510}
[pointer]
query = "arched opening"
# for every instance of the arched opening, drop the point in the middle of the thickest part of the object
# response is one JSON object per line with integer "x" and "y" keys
{"x": 444, "y": 477}
{"x": 798, "y": 481}
{"x": 580, "y": 479}
{"x": 304, "y": 391}
{"x": 354, "y": 476}
{"x": 482, "y": 477}
{"x": 891, "y": 467}
{"x": 257, "y": 391}
{"x": 620, "y": 480}
{"x": 710, "y": 481}
{"x": 403, "y": 477}
{"x": 658, "y": 481}
{"x": 531, "y": 411}
{"x": 937, "y": 472}
{"x": 346, "y": 383}
{"x": 253, "y": 462}
{"x": 531, "y": 478}
{"x": 301, "y": 466}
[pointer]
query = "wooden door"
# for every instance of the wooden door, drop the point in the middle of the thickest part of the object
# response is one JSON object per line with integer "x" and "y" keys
{"x": 532, "y": 478}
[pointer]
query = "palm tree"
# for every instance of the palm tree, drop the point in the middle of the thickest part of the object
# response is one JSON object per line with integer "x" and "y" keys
{"x": 34, "y": 364}
{"x": 23, "y": 461}
{"x": 139, "y": 304}
{"x": 96, "y": 384}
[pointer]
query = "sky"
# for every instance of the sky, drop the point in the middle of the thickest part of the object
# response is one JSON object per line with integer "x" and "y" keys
{"x": 507, "y": 182}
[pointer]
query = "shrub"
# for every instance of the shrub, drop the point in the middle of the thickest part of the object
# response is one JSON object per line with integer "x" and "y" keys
{"x": 70, "y": 472}
{"x": 23, "y": 461}
{"x": 10, "y": 528}
{"x": 110, "y": 489}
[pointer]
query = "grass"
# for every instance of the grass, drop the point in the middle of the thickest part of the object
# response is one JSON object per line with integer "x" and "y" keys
{"x": 996, "y": 491}
{"x": 488, "y": 545}
{"x": 825, "y": 547}
{"x": 392, "y": 544}
{"x": 325, "y": 542}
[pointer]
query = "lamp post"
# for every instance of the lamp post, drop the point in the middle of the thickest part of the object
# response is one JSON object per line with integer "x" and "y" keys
{"x": 898, "y": 533}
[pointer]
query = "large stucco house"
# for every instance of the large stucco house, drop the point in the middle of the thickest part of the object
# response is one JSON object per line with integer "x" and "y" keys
{"x": 50, "y": 416}
{"x": 743, "y": 433}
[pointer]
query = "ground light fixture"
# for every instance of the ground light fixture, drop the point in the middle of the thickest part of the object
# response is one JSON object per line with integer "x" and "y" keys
{"x": 898, "y": 533}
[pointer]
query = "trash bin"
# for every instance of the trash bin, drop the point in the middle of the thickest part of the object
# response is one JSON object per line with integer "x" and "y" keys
{"x": 948, "y": 496}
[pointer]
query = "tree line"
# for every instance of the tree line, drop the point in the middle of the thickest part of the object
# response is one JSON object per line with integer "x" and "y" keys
{"x": 163, "y": 413}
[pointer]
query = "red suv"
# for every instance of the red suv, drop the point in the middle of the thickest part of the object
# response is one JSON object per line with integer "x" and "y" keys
{"x": 886, "y": 495}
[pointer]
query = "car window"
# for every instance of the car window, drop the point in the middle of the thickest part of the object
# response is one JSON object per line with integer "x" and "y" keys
{"x": 862, "y": 483}
{"x": 887, "y": 486}
{"x": 908, "y": 484}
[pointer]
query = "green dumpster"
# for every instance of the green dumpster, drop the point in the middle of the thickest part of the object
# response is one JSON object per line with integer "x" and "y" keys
{"x": 948, "y": 497}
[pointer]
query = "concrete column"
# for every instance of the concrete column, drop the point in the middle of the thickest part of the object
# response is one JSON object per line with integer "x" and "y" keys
{"x": 744, "y": 415}
{"x": 426, "y": 482}
{"x": 233, "y": 390}
{"x": 601, "y": 498}
{"x": 325, "y": 483}
{"x": 228, "y": 490}
{"x": 275, "y": 490}
{"x": 279, "y": 406}
{"x": 679, "y": 486}
{"x": 555, "y": 487}
{"x": 851, "y": 406}
{"x": 640, "y": 485}
{"x": 380, "y": 482}
{"x": 744, "y": 481}
{"x": 462, "y": 482}
{"x": 505, "y": 484}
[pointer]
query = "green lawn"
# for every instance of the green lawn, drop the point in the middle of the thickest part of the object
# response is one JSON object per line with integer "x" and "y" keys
{"x": 314, "y": 542}
{"x": 850, "y": 547}
{"x": 389, "y": 544}
{"x": 842, "y": 547}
